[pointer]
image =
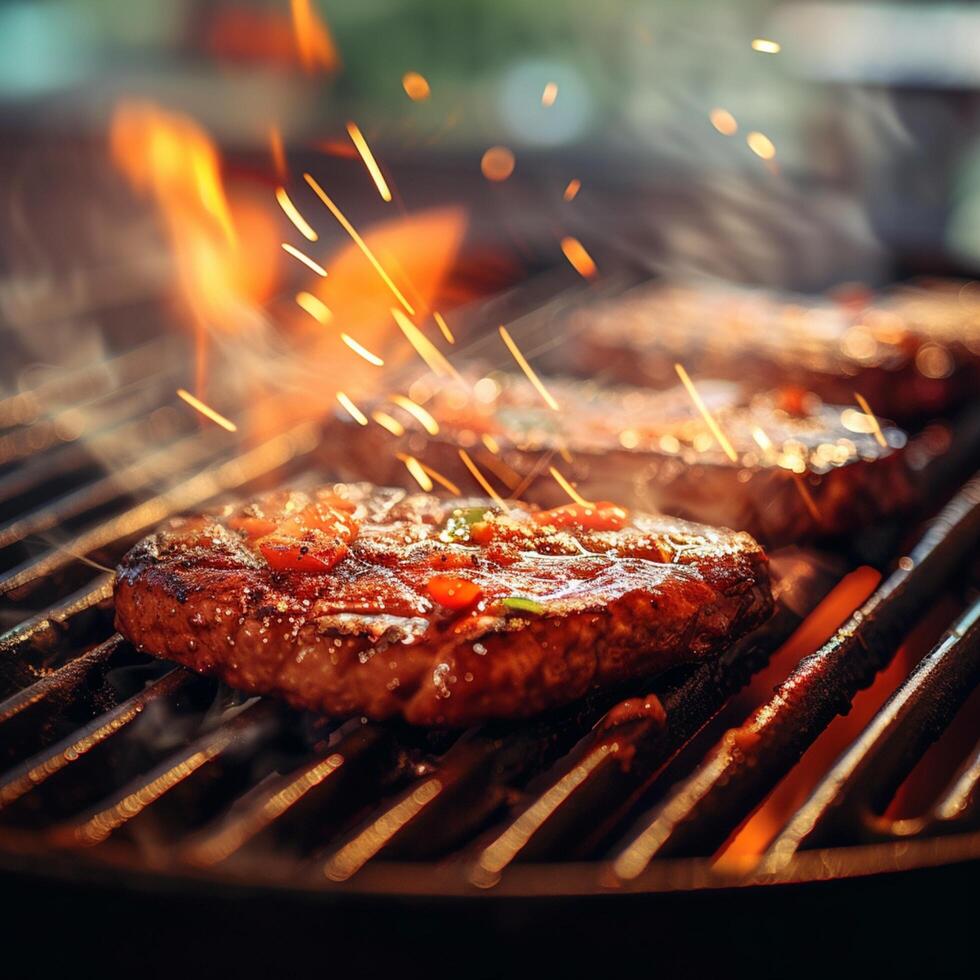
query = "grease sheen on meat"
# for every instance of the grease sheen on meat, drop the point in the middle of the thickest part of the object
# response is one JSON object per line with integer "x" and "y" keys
{"x": 361, "y": 600}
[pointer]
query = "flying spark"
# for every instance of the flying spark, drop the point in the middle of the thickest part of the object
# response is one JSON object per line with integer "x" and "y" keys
{"x": 387, "y": 422}
{"x": 723, "y": 121}
{"x": 491, "y": 443}
{"x": 482, "y": 480}
{"x": 761, "y": 145}
{"x": 572, "y": 188}
{"x": 207, "y": 410}
{"x": 766, "y": 46}
{"x": 581, "y": 260}
{"x": 359, "y": 242}
{"x": 528, "y": 370}
{"x": 418, "y": 474}
{"x": 416, "y": 86}
{"x": 424, "y": 347}
{"x": 418, "y": 412}
{"x": 762, "y": 439}
{"x": 314, "y": 306}
{"x": 567, "y": 487}
{"x": 292, "y": 212}
{"x": 875, "y": 427}
{"x": 355, "y": 413}
{"x": 549, "y": 94}
{"x": 304, "y": 258}
{"x": 497, "y": 163}
{"x": 442, "y": 480}
{"x": 357, "y": 138}
{"x": 444, "y": 327}
{"x": 361, "y": 351}
{"x": 720, "y": 436}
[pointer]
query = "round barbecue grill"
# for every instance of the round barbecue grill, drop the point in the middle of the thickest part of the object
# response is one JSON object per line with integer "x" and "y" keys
{"x": 136, "y": 794}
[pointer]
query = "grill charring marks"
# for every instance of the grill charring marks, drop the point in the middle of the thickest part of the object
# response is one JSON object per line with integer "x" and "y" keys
{"x": 357, "y": 599}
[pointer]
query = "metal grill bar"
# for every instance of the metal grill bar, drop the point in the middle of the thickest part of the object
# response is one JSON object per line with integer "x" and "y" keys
{"x": 845, "y": 805}
{"x": 248, "y": 726}
{"x": 325, "y": 783}
{"x": 152, "y": 469}
{"x": 620, "y": 757}
{"x": 701, "y": 812}
{"x": 190, "y": 493}
{"x": 31, "y": 774}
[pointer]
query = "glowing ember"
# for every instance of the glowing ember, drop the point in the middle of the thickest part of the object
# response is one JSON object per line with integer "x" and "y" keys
{"x": 416, "y": 86}
{"x": 314, "y": 306}
{"x": 424, "y": 347}
{"x": 549, "y": 94}
{"x": 418, "y": 412}
{"x": 418, "y": 474}
{"x": 357, "y": 138}
{"x": 761, "y": 145}
{"x": 277, "y": 153}
{"x": 720, "y": 436}
{"x": 387, "y": 422}
{"x": 317, "y": 51}
{"x": 359, "y": 242}
{"x": 444, "y": 327}
{"x": 361, "y": 351}
{"x": 723, "y": 121}
{"x": 304, "y": 258}
{"x": 528, "y": 370}
{"x": 567, "y": 487}
{"x": 292, "y": 212}
{"x": 355, "y": 413}
{"x": 580, "y": 259}
{"x": 482, "y": 480}
{"x": 875, "y": 427}
{"x": 571, "y": 189}
{"x": 497, "y": 163}
{"x": 765, "y": 46}
{"x": 207, "y": 410}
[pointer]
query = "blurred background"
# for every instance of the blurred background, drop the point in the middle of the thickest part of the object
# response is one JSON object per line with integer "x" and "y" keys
{"x": 804, "y": 145}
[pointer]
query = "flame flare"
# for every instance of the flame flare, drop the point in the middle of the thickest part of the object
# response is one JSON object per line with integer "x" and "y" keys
{"x": 314, "y": 42}
{"x": 171, "y": 159}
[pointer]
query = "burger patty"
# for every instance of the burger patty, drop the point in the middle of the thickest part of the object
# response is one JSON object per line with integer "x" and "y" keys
{"x": 355, "y": 599}
{"x": 911, "y": 352}
{"x": 801, "y": 469}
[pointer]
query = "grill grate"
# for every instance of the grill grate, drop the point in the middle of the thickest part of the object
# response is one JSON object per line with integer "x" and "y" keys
{"x": 110, "y": 758}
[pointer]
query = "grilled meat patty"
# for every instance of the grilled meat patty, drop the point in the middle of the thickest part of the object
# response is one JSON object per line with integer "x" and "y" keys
{"x": 362, "y": 600}
{"x": 801, "y": 470}
{"x": 912, "y": 352}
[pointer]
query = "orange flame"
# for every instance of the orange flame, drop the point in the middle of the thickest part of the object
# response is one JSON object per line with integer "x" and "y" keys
{"x": 417, "y": 252}
{"x": 315, "y": 43}
{"x": 171, "y": 159}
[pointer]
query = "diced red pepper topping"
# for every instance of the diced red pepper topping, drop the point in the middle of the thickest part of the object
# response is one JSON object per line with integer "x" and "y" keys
{"x": 600, "y": 516}
{"x": 453, "y": 592}
{"x": 312, "y": 540}
{"x": 254, "y": 527}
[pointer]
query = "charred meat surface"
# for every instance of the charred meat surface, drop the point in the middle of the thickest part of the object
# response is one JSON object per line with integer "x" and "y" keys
{"x": 801, "y": 470}
{"x": 363, "y": 600}
{"x": 911, "y": 352}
